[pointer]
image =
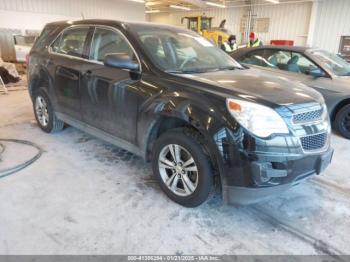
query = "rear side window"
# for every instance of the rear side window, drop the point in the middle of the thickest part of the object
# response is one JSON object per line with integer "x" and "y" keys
{"x": 71, "y": 42}
{"x": 106, "y": 41}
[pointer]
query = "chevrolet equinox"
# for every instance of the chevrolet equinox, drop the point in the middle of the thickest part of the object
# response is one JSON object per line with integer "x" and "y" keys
{"x": 173, "y": 98}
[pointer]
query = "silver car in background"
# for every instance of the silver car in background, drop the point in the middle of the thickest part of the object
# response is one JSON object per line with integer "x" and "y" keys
{"x": 326, "y": 72}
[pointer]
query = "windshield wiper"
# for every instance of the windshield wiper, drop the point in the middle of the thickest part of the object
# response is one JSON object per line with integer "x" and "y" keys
{"x": 192, "y": 71}
{"x": 229, "y": 68}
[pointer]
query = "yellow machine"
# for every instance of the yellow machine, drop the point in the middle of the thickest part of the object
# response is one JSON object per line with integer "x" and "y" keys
{"x": 203, "y": 25}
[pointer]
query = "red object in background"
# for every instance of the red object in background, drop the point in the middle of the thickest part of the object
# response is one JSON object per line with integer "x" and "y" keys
{"x": 282, "y": 42}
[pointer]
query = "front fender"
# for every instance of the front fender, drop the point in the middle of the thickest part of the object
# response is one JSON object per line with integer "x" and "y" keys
{"x": 197, "y": 111}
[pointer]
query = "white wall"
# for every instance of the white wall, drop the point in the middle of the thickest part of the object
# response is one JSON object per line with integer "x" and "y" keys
{"x": 287, "y": 21}
{"x": 34, "y": 14}
{"x": 333, "y": 21}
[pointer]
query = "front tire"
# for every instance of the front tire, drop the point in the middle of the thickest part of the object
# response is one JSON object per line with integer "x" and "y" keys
{"x": 182, "y": 168}
{"x": 44, "y": 113}
{"x": 342, "y": 121}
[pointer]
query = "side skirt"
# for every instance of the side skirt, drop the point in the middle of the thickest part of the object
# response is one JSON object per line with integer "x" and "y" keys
{"x": 101, "y": 134}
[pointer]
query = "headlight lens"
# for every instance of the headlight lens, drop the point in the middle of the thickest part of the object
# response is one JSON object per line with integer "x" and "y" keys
{"x": 262, "y": 121}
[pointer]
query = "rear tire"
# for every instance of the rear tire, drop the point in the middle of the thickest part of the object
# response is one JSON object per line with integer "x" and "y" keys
{"x": 342, "y": 121}
{"x": 44, "y": 113}
{"x": 186, "y": 178}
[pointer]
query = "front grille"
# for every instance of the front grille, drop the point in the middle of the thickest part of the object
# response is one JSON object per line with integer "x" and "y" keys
{"x": 314, "y": 142}
{"x": 308, "y": 117}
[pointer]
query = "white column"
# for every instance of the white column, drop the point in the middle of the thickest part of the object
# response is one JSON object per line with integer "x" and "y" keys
{"x": 312, "y": 25}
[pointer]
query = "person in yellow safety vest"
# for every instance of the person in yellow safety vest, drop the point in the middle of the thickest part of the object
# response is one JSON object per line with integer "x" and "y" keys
{"x": 254, "y": 41}
{"x": 230, "y": 45}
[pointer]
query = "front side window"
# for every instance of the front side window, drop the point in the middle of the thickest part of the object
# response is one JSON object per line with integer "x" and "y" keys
{"x": 71, "y": 42}
{"x": 106, "y": 41}
{"x": 303, "y": 65}
{"x": 181, "y": 51}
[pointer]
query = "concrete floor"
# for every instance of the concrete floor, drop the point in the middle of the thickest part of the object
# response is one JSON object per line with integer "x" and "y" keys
{"x": 84, "y": 196}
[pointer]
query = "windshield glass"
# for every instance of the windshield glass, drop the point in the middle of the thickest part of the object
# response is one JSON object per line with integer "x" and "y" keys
{"x": 181, "y": 51}
{"x": 332, "y": 62}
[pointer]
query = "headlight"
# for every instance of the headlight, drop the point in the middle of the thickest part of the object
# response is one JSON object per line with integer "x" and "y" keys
{"x": 262, "y": 121}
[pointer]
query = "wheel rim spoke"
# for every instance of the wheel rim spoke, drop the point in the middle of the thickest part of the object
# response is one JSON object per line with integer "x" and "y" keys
{"x": 188, "y": 185}
{"x": 177, "y": 153}
{"x": 166, "y": 163}
{"x": 170, "y": 180}
{"x": 188, "y": 162}
{"x": 172, "y": 152}
{"x": 40, "y": 103}
{"x": 191, "y": 168}
{"x": 174, "y": 183}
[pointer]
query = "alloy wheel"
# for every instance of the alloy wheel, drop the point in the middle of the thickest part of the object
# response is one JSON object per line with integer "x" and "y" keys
{"x": 41, "y": 111}
{"x": 178, "y": 170}
{"x": 346, "y": 121}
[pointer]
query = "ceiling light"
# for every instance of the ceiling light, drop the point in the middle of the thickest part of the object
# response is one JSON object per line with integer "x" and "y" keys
{"x": 151, "y": 3}
{"x": 180, "y": 7}
{"x": 138, "y": 1}
{"x": 273, "y": 1}
{"x": 216, "y": 4}
{"x": 152, "y": 11}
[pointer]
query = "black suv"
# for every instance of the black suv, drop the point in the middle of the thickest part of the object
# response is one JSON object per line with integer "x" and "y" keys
{"x": 170, "y": 96}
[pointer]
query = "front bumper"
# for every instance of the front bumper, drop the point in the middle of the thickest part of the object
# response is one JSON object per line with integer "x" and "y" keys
{"x": 271, "y": 179}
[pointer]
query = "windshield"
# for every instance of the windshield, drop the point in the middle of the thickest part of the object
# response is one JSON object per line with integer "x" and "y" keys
{"x": 332, "y": 62}
{"x": 181, "y": 51}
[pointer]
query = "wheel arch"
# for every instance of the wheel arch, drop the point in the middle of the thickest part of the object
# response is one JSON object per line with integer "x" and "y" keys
{"x": 196, "y": 121}
{"x": 39, "y": 79}
{"x": 338, "y": 107}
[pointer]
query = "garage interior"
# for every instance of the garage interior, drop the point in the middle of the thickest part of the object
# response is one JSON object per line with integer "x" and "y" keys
{"x": 79, "y": 195}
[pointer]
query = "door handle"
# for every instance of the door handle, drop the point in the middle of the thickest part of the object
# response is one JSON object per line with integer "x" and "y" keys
{"x": 87, "y": 73}
{"x": 65, "y": 73}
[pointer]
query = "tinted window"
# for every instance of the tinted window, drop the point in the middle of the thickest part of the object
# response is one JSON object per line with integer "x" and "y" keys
{"x": 71, "y": 42}
{"x": 107, "y": 41}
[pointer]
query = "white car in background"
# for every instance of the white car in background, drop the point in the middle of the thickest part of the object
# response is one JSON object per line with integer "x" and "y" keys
{"x": 23, "y": 44}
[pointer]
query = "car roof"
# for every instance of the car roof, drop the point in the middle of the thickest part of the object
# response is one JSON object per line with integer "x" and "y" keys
{"x": 300, "y": 49}
{"x": 113, "y": 23}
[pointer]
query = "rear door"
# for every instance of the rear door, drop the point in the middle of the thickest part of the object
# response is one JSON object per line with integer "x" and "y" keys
{"x": 66, "y": 57}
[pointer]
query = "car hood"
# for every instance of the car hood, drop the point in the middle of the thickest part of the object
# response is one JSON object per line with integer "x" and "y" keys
{"x": 342, "y": 84}
{"x": 254, "y": 84}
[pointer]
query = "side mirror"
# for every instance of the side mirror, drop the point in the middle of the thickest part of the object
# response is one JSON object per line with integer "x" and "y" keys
{"x": 316, "y": 72}
{"x": 121, "y": 61}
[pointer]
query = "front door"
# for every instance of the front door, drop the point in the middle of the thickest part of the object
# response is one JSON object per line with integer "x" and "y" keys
{"x": 109, "y": 96}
